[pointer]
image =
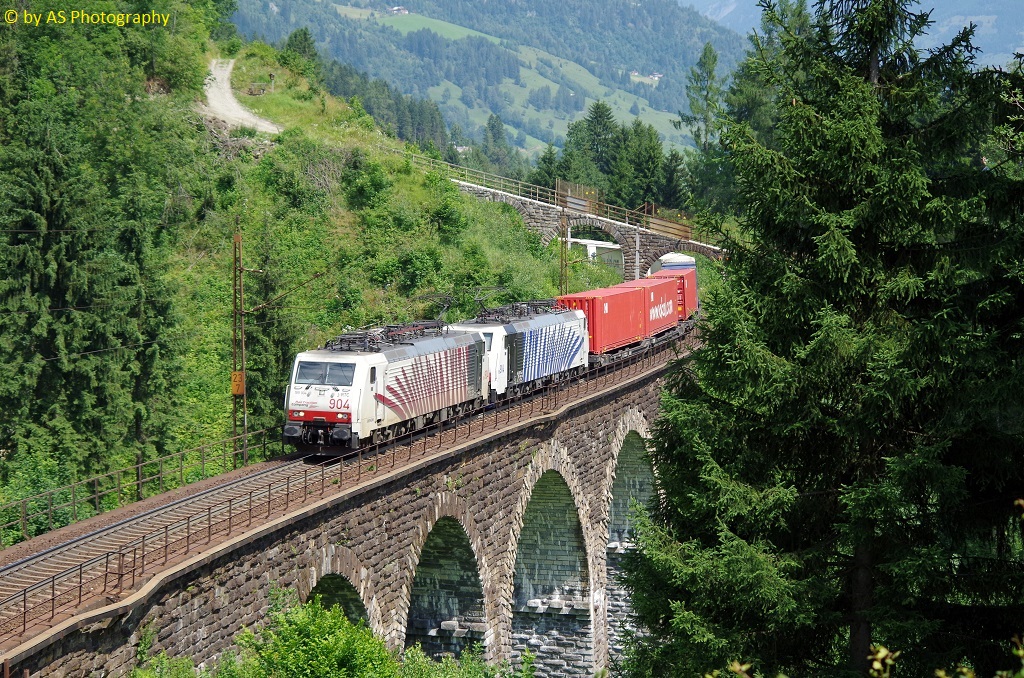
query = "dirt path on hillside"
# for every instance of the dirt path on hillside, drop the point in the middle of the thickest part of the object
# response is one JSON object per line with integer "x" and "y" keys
{"x": 221, "y": 102}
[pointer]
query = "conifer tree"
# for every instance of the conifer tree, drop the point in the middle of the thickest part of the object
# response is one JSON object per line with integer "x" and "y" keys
{"x": 673, "y": 173}
{"x": 546, "y": 171}
{"x": 602, "y": 135}
{"x": 837, "y": 464}
{"x": 708, "y": 176}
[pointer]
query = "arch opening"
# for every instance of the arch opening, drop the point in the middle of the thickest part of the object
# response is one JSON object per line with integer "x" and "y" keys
{"x": 552, "y": 613}
{"x": 334, "y": 589}
{"x": 634, "y": 481}
{"x": 551, "y": 561}
{"x": 446, "y": 608}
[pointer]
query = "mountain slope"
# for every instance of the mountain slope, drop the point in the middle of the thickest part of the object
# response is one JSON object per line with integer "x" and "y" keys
{"x": 999, "y": 33}
{"x": 462, "y": 56}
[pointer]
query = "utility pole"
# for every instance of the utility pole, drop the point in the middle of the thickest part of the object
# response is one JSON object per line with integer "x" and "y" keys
{"x": 238, "y": 390}
{"x": 563, "y": 254}
{"x": 636, "y": 264}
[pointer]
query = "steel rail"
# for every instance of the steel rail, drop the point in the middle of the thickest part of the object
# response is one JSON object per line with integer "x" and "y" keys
{"x": 38, "y": 591}
{"x": 86, "y": 498}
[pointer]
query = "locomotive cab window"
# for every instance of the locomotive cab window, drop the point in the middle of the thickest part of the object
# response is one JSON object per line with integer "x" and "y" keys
{"x": 373, "y": 375}
{"x": 328, "y": 374}
{"x": 488, "y": 338}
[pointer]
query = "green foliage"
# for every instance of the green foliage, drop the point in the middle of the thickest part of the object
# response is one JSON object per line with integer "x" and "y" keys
{"x": 88, "y": 332}
{"x": 366, "y": 182}
{"x": 704, "y": 93}
{"x": 415, "y": 664}
{"x": 838, "y": 462}
{"x": 449, "y": 219}
{"x": 421, "y": 56}
{"x": 162, "y": 666}
{"x": 118, "y": 212}
{"x": 308, "y": 640}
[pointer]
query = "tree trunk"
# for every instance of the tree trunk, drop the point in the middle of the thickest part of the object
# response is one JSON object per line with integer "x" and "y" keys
{"x": 861, "y": 598}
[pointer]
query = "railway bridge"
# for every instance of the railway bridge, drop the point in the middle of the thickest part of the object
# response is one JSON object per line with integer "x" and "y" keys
{"x": 641, "y": 246}
{"x": 507, "y": 531}
{"x": 643, "y": 238}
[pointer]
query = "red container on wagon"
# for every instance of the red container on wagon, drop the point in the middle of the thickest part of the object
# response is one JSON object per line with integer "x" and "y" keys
{"x": 615, "y": 315}
{"x": 686, "y": 280}
{"x": 660, "y": 301}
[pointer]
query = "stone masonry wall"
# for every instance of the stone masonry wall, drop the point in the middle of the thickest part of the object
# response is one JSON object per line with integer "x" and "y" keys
{"x": 375, "y": 538}
{"x": 545, "y": 220}
{"x": 620, "y": 614}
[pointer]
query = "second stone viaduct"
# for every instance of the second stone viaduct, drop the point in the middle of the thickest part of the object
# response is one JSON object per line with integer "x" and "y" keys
{"x": 512, "y": 540}
{"x": 545, "y": 219}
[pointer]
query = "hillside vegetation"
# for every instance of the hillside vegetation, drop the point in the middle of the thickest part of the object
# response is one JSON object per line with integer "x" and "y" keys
{"x": 119, "y": 203}
{"x": 536, "y": 65}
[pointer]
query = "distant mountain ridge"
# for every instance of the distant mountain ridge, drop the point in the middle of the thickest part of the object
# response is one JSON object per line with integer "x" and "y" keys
{"x": 999, "y": 23}
{"x": 535, "y": 63}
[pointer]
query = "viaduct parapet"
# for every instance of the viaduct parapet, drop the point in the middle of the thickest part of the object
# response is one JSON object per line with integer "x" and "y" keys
{"x": 545, "y": 219}
{"x": 511, "y": 541}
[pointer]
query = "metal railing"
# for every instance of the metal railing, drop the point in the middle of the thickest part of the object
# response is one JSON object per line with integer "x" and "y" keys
{"x": 62, "y": 506}
{"x": 552, "y": 197}
{"x": 115, "y": 572}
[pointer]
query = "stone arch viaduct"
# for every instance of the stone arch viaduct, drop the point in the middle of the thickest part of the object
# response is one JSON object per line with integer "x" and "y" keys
{"x": 512, "y": 541}
{"x": 544, "y": 218}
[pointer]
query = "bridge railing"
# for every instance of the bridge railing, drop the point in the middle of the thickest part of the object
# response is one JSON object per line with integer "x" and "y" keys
{"x": 31, "y": 516}
{"x": 552, "y": 197}
{"x": 114, "y": 572}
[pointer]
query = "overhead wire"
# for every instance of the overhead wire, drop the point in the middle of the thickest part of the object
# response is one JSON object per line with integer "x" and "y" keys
{"x": 54, "y": 310}
{"x": 104, "y": 350}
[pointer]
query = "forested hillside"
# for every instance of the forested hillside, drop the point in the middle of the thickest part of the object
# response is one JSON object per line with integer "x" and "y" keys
{"x": 118, "y": 203}
{"x": 839, "y": 463}
{"x": 537, "y": 65}
{"x": 998, "y": 22}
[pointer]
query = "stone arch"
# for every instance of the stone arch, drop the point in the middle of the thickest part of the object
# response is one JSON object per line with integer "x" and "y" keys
{"x": 626, "y": 464}
{"x": 551, "y": 513}
{"x": 445, "y": 505}
{"x": 578, "y": 628}
{"x": 551, "y": 456}
{"x": 605, "y": 226}
{"x": 336, "y": 559}
{"x": 334, "y": 589}
{"x": 632, "y": 423}
{"x": 446, "y": 604}
{"x": 663, "y": 246}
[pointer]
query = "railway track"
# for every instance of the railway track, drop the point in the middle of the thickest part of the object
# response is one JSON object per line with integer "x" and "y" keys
{"x": 101, "y": 567}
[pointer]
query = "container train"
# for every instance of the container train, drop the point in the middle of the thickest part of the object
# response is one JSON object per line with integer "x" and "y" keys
{"x": 370, "y": 386}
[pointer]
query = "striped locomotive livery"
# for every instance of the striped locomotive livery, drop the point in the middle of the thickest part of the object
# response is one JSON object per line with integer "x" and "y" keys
{"x": 446, "y": 372}
{"x": 537, "y": 352}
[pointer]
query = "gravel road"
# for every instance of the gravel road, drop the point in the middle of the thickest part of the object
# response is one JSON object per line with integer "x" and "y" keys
{"x": 222, "y": 104}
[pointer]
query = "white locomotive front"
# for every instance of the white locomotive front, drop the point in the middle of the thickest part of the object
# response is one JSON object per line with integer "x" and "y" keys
{"x": 382, "y": 383}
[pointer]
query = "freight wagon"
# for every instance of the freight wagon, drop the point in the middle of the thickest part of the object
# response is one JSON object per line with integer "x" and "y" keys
{"x": 686, "y": 294}
{"x": 615, "y": 317}
{"x": 660, "y": 299}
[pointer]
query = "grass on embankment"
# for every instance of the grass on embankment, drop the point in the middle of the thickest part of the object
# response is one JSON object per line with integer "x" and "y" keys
{"x": 336, "y": 197}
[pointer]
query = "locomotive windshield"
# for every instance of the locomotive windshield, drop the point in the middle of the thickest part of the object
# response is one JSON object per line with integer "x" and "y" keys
{"x": 329, "y": 374}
